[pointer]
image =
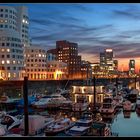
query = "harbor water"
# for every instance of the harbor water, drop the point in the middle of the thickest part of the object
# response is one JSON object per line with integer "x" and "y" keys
{"x": 126, "y": 127}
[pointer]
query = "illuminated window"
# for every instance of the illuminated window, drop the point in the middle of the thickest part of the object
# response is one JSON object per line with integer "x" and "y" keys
{"x": 14, "y": 75}
{"x": 8, "y": 62}
{"x": 8, "y": 50}
{"x": 39, "y": 55}
{"x": 23, "y": 21}
{"x": 14, "y": 61}
{"x": 2, "y": 61}
{"x": 9, "y": 75}
{"x": 2, "y": 50}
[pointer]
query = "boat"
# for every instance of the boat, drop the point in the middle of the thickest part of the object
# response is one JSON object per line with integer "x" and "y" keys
{"x": 108, "y": 107}
{"x": 84, "y": 122}
{"x": 133, "y": 95}
{"x": 10, "y": 122}
{"x": 100, "y": 129}
{"x": 119, "y": 100}
{"x": 138, "y": 102}
{"x": 79, "y": 107}
{"x": 78, "y": 131}
{"x": 59, "y": 126}
{"x": 41, "y": 104}
{"x": 37, "y": 124}
{"x": 66, "y": 105}
{"x": 31, "y": 100}
{"x": 82, "y": 126}
{"x": 126, "y": 105}
{"x": 54, "y": 100}
{"x": 8, "y": 105}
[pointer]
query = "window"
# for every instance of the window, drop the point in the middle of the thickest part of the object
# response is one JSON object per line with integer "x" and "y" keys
{"x": 8, "y": 50}
{"x": 8, "y": 61}
{"x": 2, "y": 56}
{"x": 8, "y": 56}
{"x": 2, "y": 61}
{"x": 1, "y": 26}
{"x": 8, "y": 68}
{"x": 14, "y": 68}
{"x": 3, "y": 44}
{"x": 14, "y": 61}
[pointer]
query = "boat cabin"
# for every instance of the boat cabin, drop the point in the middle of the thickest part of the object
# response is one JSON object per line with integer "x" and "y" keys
{"x": 87, "y": 93}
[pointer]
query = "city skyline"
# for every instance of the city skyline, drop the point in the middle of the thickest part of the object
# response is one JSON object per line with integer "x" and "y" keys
{"x": 93, "y": 26}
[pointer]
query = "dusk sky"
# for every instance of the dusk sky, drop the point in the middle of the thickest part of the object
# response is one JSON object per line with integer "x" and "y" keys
{"x": 93, "y": 26}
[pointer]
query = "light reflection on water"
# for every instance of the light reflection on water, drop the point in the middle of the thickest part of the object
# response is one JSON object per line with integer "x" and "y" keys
{"x": 124, "y": 123}
{"x": 127, "y": 127}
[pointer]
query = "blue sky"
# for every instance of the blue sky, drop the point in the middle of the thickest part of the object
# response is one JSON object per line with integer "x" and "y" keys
{"x": 93, "y": 26}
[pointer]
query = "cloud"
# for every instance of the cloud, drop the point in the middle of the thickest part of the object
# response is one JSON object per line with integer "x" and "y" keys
{"x": 131, "y": 12}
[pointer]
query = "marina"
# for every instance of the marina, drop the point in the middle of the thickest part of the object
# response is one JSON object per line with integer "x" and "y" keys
{"x": 85, "y": 84}
{"x": 74, "y": 115}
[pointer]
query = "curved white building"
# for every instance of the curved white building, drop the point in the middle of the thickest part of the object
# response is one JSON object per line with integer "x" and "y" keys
{"x": 13, "y": 37}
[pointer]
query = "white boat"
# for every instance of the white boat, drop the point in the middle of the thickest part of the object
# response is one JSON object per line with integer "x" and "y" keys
{"x": 62, "y": 125}
{"x": 11, "y": 122}
{"x": 119, "y": 100}
{"x": 52, "y": 100}
{"x": 84, "y": 122}
{"x": 79, "y": 107}
{"x": 108, "y": 107}
{"x": 127, "y": 105}
{"x": 78, "y": 131}
{"x": 66, "y": 105}
{"x": 42, "y": 103}
{"x": 37, "y": 124}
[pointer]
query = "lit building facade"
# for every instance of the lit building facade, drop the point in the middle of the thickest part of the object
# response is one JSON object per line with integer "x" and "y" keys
{"x": 106, "y": 61}
{"x": 67, "y": 52}
{"x": 56, "y": 70}
{"x": 35, "y": 63}
{"x": 131, "y": 67}
{"x": 115, "y": 62}
{"x": 12, "y": 42}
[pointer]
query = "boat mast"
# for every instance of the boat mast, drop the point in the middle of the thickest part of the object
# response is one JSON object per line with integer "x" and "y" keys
{"x": 25, "y": 95}
{"x": 94, "y": 84}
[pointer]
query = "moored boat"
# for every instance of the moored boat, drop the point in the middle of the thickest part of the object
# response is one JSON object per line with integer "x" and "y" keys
{"x": 109, "y": 106}
{"x": 62, "y": 125}
{"x": 78, "y": 131}
{"x": 127, "y": 106}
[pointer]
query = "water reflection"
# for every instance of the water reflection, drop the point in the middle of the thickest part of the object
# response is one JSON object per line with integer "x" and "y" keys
{"x": 126, "y": 124}
{"x": 127, "y": 114}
